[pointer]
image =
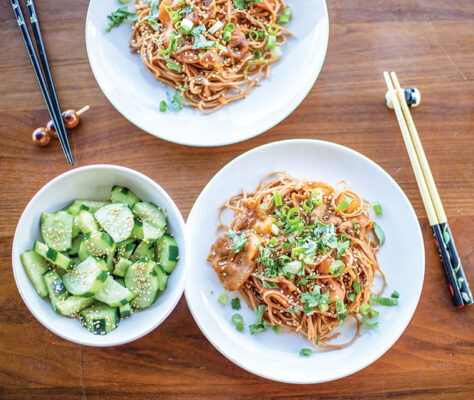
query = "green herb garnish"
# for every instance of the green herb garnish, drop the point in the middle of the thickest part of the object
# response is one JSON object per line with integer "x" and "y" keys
{"x": 260, "y": 324}
{"x": 239, "y": 241}
{"x": 223, "y": 298}
{"x": 117, "y": 17}
{"x": 235, "y": 303}
{"x": 306, "y": 352}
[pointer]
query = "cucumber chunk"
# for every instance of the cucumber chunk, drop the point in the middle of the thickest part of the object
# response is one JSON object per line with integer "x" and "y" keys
{"x": 76, "y": 244}
{"x": 73, "y": 304}
{"x": 125, "y": 249}
{"x": 56, "y": 290}
{"x": 110, "y": 258}
{"x": 76, "y": 231}
{"x": 153, "y": 220}
{"x": 53, "y": 256}
{"x": 121, "y": 267}
{"x": 35, "y": 267}
{"x": 116, "y": 220}
{"x": 99, "y": 243}
{"x": 99, "y": 318}
{"x": 86, "y": 278}
{"x": 120, "y": 281}
{"x": 137, "y": 232}
{"x": 84, "y": 252}
{"x": 142, "y": 280}
{"x": 144, "y": 250}
{"x": 162, "y": 277}
{"x": 167, "y": 253}
{"x": 88, "y": 205}
{"x": 123, "y": 195}
{"x": 57, "y": 230}
{"x": 86, "y": 222}
{"x": 125, "y": 310}
{"x": 113, "y": 294}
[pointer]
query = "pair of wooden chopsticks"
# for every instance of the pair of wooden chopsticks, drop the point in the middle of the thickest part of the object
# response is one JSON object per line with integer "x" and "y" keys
{"x": 46, "y": 81}
{"x": 458, "y": 285}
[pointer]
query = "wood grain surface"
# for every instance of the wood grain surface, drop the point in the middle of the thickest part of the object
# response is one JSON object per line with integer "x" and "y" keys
{"x": 430, "y": 43}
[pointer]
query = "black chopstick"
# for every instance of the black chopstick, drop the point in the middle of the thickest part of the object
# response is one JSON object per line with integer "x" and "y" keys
{"x": 53, "y": 107}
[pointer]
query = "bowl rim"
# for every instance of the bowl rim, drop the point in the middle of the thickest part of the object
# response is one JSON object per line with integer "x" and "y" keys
{"x": 303, "y": 93}
{"x": 16, "y": 264}
{"x": 401, "y": 328}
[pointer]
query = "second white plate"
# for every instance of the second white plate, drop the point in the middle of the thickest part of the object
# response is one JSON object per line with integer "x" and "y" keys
{"x": 402, "y": 258}
{"x": 135, "y": 93}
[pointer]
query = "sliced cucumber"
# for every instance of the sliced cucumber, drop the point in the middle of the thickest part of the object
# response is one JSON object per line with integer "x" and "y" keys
{"x": 56, "y": 290}
{"x": 76, "y": 231}
{"x": 57, "y": 258}
{"x": 137, "y": 232}
{"x": 125, "y": 310}
{"x": 153, "y": 219}
{"x": 144, "y": 250}
{"x": 73, "y": 304}
{"x": 84, "y": 252}
{"x": 167, "y": 253}
{"x": 57, "y": 230}
{"x": 121, "y": 267}
{"x": 99, "y": 243}
{"x": 116, "y": 220}
{"x": 162, "y": 277}
{"x": 142, "y": 280}
{"x": 110, "y": 258}
{"x": 35, "y": 267}
{"x": 120, "y": 281}
{"x": 123, "y": 195}
{"x": 99, "y": 318}
{"x": 86, "y": 222}
{"x": 86, "y": 278}
{"x": 76, "y": 244}
{"x": 113, "y": 294}
{"x": 125, "y": 249}
{"x": 87, "y": 205}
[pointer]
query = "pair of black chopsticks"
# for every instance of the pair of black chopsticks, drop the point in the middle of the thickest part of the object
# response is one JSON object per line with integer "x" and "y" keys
{"x": 458, "y": 285}
{"x": 45, "y": 81}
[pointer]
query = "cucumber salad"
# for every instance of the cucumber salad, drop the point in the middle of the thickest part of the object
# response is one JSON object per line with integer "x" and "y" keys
{"x": 100, "y": 261}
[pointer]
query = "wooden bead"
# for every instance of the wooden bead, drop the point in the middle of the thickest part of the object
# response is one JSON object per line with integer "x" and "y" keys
{"x": 71, "y": 119}
{"x": 51, "y": 129}
{"x": 41, "y": 137}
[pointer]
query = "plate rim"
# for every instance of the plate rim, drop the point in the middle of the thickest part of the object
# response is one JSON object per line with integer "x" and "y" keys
{"x": 299, "y": 99}
{"x": 418, "y": 232}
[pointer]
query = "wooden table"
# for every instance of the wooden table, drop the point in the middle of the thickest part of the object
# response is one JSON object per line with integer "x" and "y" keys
{"x": 429, "y": 43}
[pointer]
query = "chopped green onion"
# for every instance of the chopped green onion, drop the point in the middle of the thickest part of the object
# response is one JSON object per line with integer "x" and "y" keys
{"x": 283, "y": 19}
{"x": 317, "y": 196}
{"x": 293, "y": 216}
{"x": 174, "y": 15}
{"x": 317, "y": 339}
{"x": 287, "y": 12}
{"x": 379, "y": 233}
{"x": 236, "y": 318}
{"x": 271, "y": 41}
{"x": 163, "y": 106}
{"x": 277, "y": 198}
{"x": 356, "y": 227}
{"x": 214, "y": 28}
{"x": 395, "y": 295}
{"x": 336, "y": 268}
{"x": 223, "y": 298}
{"x": 124, "y": 1}
{"x": 341, "y": 311}
{"x": 228, "y": 31}
{"x": 186, "y": 26}
{"x": 253, "y": 36}
{"x": 273, "y": 29}
{"x": 344, "y": 204}
{"x": 275, "y": 229}
{"x": 276, "y": 328}
{"x": 383, "y": 301}
{"x": 173, "y": 66}
{"x": 306, "y": 352}
{"x": 284, "y": 210}
{"x": 377, "y": 208}
{"x": 239, "y": 326}
{"x": 351, "y": 297}
{"x": 365, "y": 308}
{"x": 307, "y": 205}
{"x": 356, "y": 286}
{"x": 235, "y": 303}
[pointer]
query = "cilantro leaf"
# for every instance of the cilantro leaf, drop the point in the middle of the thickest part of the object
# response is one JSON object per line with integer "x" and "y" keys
{"x": 235, "y": 303}
{"x": 240, "y": 4}
{"x": 176, "y": 100}
{"x": 314, "y": 299}
{"x": 239, "y": 241}
{"x": 260, "y": 325}
{"x": 117, "y": 17}
{"x": 341, "y": 311}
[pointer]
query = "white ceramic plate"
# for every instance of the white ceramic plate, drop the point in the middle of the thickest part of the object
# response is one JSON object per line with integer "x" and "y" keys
{"x": 134, "y": 92}
{"x": 94, "y": 183}
{"x": 276, "y": 356}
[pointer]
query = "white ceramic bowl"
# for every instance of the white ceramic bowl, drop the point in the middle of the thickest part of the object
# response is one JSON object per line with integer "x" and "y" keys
{"x": 401, "y": 258}
{"x": 136, "y": 94}
{"x": 94, "y": 182}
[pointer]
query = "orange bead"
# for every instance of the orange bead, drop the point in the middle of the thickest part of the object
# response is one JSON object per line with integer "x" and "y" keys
{"x": 51, "y": 129}
{"x": 41, "y": 137}
{"x": 71, "y": 119}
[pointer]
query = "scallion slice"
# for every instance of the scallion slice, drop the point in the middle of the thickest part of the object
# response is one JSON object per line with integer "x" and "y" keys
{"x": 271, "y": 41}
{"x": 342, "y": 206}
{"x": 379, "y": 233}
{"x": 214, "y": 28}
{"x": 317, "y": 196}
{"x": 307, "y": 205}
{"x": 223, "y": 298}
{"x": 163, "y": 106}
{"x": 306, "y": 352}
{"x": 276, "y": 328}
{"x": 293, "y": 216}
{"x": 351, "y": 297}
{"x": 383, "y": 301}
{"x": 273, "y": 29}
{"x": 377, "y": 208}
{"x": 236, "y": 318}
{"x": 277, "y": 200}
{"x": 356, "y": 286}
